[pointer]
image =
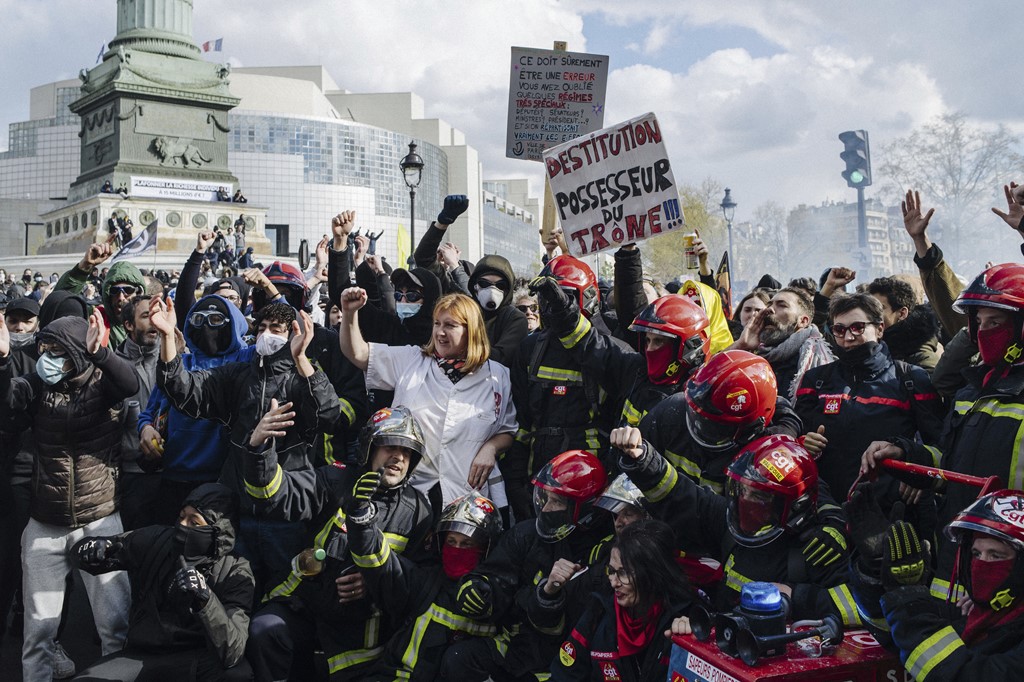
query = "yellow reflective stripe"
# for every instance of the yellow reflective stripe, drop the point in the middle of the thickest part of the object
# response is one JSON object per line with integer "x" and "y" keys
{"x": 631, "y": 414}
{"x": 935, "y": 453}
{"x": 553, "y": 630}
{"x": 285, "y": 588}
{"x": 347, "y": 410}
{"x": 932, "y": 651}
{"x": 336, "y": 521}
{"x": 329, "y": 449}
{"x": 267, "y": 491}
{"x": 994, "y": 408}
{"x": 454, "y": 621}
{"x": 523, "y": 436}
{"x": 684, "y": 464}
{"x": 843, "y": 599}
{"x": 577, "y": 334}
{"x": 397, "y": 542}
{"x": 713, "y": 486}
{"x": 542, "y": 677}
{"x": 593, "y": 440}
{"x": 962, "y": 406}
{"x": 668, "y": 482}
{"x": 940, "y": 589}
{"x": 559, "y": 374}
{"x": 419, "y": 628}
{"x": 537, "y": 578}
{"x": 596, "y": 551}
{"x": 734, "y": 580}
{"x": 374, "y": 559}
{"x": 353, "y": 657}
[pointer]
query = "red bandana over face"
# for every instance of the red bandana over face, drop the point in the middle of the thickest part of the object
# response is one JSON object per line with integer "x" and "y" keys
{"x": 458, "y": 561}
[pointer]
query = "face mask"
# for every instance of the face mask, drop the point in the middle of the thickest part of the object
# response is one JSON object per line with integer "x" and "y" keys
{"x": 21, "y": 338}
{"x": 196, "y": 542}
{"x": 993, "y": 343}
{"x": 211, "y": 340}
{"x": 268, "y": 343}
{"x": 50, "y": 369}
{"x": 987, "y": 577}
{"x": 490, "y": 297}
{"x": 458, "y": 561}
{"x": 662, "y": 365}
{"x": 407, "y": 310}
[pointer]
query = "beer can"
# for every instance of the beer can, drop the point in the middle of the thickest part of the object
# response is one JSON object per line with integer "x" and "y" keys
{"x": 692, "y": 262}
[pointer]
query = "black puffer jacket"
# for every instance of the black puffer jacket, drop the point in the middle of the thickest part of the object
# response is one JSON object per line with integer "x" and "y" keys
{"x": 157, "y": 622}
{"x": 76, "y": 425}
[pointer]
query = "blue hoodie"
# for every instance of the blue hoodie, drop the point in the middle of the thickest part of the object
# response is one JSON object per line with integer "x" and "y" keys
{"x": 195, "y": 449}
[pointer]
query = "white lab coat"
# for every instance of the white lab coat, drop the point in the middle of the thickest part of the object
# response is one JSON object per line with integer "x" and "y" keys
{"x": 456, "y": 419}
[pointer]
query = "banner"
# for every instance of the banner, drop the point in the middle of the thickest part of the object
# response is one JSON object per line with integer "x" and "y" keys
{"x": 553, "y": 97}
{"x": 144, "y": 241}
{"x": 614, "y": 187}
{"x": 723, "y": 282}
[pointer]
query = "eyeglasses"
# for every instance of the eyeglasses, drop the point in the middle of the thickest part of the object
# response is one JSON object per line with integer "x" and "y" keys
{"x": 620, "y": 574}
{"x": 211, "y": 318}
{"x": 230, "y": 295}
{"x": 125, "y": 290}
{"x": 410, "y": 296}
{"x": 855, "y": 328}
{"x": 528, "y": 308}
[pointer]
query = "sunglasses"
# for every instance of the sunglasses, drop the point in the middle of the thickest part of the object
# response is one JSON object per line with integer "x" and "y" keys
{"x": 125, "y": 290}
{"x": 410, "y": 296}
{"x": 855, "y": 328}
{"x": 527, "y": 308}
{"x": 210, "y": 318}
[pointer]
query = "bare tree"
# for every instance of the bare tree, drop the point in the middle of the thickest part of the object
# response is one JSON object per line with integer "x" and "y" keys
{"x": 663, "y": 255}
{"x": 960, "y": 169}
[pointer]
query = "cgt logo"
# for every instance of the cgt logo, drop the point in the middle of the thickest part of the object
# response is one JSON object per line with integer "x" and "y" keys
{"x": 1010, "y": 508}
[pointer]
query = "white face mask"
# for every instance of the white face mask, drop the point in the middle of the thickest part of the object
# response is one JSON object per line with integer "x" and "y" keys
{"x": 268, "y": 343}
{"x": 490, "y": 297}
{"x": 406, "y": 310}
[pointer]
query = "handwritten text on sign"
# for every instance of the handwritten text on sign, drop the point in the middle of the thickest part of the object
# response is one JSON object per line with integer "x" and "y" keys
{"x": 553, "y": 97}
{"x": 614, "y": 186}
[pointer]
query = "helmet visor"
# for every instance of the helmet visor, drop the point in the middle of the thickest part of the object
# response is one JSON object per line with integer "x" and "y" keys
{"x": 555, "y": 517}
{"x": 709, "y": 434}
{"x": 755, "y": 517}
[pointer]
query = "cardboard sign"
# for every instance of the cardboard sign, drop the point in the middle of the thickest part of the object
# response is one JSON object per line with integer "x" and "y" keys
{"x": 614, "y": 186}
{"x": 553, "y": 96}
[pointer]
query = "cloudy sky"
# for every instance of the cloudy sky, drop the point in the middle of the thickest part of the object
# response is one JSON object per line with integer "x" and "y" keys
{"x": 751, "y": 92}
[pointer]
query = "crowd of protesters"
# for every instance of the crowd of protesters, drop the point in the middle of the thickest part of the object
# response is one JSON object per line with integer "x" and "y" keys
{"x": 454, "y": 471}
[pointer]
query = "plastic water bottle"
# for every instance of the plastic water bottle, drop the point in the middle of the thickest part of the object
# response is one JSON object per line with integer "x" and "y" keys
{"x": 311, "y": 561}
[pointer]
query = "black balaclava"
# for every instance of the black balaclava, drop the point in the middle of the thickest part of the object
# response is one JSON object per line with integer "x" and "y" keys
{"x": 213, "y": 340}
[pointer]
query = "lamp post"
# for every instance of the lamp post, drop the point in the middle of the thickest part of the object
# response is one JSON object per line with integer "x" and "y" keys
{"x": 728, "y": 212}
{"x": 412, "y": 172}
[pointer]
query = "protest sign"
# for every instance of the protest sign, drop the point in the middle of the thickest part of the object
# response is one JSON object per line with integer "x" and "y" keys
{"x": 553, "y": 96}
{"x": 614, "y": 186}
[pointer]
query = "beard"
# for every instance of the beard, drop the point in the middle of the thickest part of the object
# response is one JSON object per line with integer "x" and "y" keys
{"x": 772, "y": 334}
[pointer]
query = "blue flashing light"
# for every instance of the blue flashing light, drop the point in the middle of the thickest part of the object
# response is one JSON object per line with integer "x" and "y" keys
{"x": 761, "y": 597}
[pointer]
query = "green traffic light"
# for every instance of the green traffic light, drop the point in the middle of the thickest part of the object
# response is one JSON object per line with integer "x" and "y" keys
{"x": 856, "y": 177}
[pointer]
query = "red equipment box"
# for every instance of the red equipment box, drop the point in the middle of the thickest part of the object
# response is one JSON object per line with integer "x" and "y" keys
{"x": 859, "y": 658}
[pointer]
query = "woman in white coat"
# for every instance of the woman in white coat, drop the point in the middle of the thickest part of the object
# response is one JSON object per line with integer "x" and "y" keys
{"x": 460, "y": 397}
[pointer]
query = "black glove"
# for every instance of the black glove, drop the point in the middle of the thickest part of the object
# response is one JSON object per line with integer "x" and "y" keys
{"x": 905, "y": 561}
{"x": 554, "y": 303}
{"x": 360, "y": 508}
{"x": 474, "y": 598}
{"x": 96, "y": 553}
{"x": 454, "y": 206}
{"x": 190, "y": 584}
{"x": 825, "y": 546}
{"x": 867, "y": 526}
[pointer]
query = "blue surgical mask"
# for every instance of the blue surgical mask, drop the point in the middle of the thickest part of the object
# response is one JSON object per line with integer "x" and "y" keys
{"x": 50, "y": 368}
{"x": 406, "y": 310}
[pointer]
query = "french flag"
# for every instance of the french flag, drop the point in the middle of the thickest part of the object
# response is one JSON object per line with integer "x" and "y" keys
{"x": 213, "y": 45}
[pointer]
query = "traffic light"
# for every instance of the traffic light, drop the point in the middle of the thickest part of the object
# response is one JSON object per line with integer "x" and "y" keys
{"x": 857, "y": 156}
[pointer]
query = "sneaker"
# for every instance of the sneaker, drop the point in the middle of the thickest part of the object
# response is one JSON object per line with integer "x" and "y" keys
{"x": 63, "y": 666}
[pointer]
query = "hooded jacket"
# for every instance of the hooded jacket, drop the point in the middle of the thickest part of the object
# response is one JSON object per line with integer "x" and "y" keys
{"x": 915, "y": 339}
{"x": 195, "y": 449}
{"x": 75, "y": 279}
{"x": 506, "y": 326}
{"x": 157, "y": 623}
{"x": 76, "y": 426}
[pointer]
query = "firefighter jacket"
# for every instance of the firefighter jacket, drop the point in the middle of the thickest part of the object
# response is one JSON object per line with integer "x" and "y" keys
{"x": 352, "y": 634}
{"x": 591, "y": 651}
{"x": 930, "y": 646}
{"x": 699, "y": 518}
{"x": 665, "y": 429}
{"x": 873, "y": 399}
{"x": 420, "y": 597}
{"x": 983, "y": 436}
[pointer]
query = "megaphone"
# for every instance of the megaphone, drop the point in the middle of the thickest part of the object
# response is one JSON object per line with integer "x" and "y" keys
{"x": 751, "y": 648}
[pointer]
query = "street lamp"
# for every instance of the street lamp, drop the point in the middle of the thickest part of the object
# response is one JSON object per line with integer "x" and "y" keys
{"x": 412, "y": 172}
{"x": 729, "y": 211}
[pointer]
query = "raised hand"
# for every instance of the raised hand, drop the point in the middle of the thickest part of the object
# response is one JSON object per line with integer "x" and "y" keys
{"x": 204, "y": 240}
{"x": 162, "y": 316}
{"x": 96, "y": 337}
{"x": 815, "y": 442}
{"x": 273, "y": 424}
{"x": 302, "y": 335}
{"x": 341, "y": 225}
{"x": 629, "y": 440}
{"x": 352, "y": 299}
{"x": 454, "y": 206}
{"x": 559, "y": 575}
{"x": 838, "y": 278}
{"x": 5, "y": 338}
{"x": 913, "y": 221}
{"x": 1014, "y": 216}
{"x": 95, "y": 255}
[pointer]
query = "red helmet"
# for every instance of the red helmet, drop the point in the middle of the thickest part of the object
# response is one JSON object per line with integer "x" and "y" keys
{"x": 678, "y": 318}
{"x": 772, "y": 488}
{"x": 564, "y": 490}
{"x": 289, "y": 282}
{"x": 1000, "y": 286}
{"x": 730, "y": 399}
{"x": 572, "y": 273}
{"x": 999, "y": 515}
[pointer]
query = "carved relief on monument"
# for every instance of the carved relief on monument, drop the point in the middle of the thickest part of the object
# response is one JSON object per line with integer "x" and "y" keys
{"x": 178, "y": 152}
{"x": 173, "y": 219}
{"x": 98, "y": 125}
